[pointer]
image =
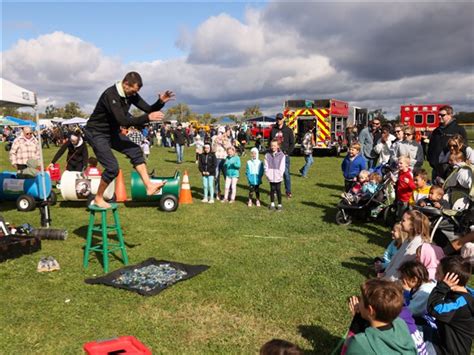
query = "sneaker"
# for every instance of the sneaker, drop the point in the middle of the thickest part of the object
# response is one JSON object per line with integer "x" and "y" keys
{"x": 42, "y": 265}
{"x": 279, "y": 208}
{"x": 257, "y": 203}
{"x": 289, "y": 195}
{"x": 249, "y": 203}
{"x": 204, "y": 200}
{"x": 271, "y": 207}
{"x": 53, "y": 264}
{"x": 211, "y": 201}
{"x": 231, "y": 201}
{"x": 223, "y": 200}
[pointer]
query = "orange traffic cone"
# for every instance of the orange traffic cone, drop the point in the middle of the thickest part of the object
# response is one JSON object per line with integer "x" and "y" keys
{"x": 120, "y": 190}
{"x": 185, "y": 196}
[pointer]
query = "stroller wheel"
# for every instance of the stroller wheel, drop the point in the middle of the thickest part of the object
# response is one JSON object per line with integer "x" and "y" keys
{"x": 343, "y": 219}
{"x": 390, "y": 215}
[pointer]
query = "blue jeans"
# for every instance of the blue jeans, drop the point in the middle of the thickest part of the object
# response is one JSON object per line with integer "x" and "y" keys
{"x": 219, "y": 172}
{"x": 308, "y": 162}
{"x": 286, "y": 175}
{"x": 179, "y": 152}
{"x": 208, "y": 186}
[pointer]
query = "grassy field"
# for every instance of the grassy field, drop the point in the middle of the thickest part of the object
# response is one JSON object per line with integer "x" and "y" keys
{"x": 285, "y": 275}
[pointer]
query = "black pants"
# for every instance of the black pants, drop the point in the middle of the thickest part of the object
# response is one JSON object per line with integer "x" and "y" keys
{"x": 102, "y": 144}
{"x": 256, "y": 189}
{"x": 275, "y": 188}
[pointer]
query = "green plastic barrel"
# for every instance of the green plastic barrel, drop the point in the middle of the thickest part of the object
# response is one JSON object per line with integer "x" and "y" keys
{"x": 171, "y": 189}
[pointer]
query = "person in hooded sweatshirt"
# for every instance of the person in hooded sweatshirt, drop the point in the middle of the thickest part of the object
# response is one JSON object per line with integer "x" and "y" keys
{"x": 254, "y": 173}
{"x": 207, "y": 166}
{"x": 77, "y": 154}
{"x": 380, "y": 304}
{"x": 274, "y": 171}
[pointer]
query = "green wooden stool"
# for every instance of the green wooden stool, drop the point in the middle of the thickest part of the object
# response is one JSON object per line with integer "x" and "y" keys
{"x": 105, "y": 248}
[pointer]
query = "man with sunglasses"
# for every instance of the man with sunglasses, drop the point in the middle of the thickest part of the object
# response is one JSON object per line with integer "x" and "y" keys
{"x": 24, "y": 147}
{"x": 440, "y": 136}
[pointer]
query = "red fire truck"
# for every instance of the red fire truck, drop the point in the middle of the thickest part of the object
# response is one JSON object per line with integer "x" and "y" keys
{"x": 423, "y": 117}
{"x": 329, "y": 117}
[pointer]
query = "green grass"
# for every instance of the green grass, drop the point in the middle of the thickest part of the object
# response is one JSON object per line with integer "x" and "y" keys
{"x": 284, "y": 275}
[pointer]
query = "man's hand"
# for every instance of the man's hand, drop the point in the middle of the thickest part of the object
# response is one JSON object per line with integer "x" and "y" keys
{"x": 354, "y": 305}
{"x": 156, "y": 116}
{"x": 167, "y": 96}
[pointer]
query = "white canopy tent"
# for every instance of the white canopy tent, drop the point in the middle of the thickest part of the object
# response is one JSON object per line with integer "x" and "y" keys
{"x": 12, "y": 95}
{"x": 75, "y": 120}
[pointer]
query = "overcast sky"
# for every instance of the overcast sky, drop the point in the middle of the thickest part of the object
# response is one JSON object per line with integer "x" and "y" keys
{"x": 221, "y": 57}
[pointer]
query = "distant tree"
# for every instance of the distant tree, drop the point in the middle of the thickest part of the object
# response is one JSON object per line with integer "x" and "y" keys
{"x": 465, "y": 117}
{"x": 136, "y": 112}
{"x": 180, "y": 111}
{"x": 252, "y": 111}
{"x": 51, "y": 111}
{"x": 72, "y": 109}
{"x": 9, "y": 111}
{"x": 206, "y": 118}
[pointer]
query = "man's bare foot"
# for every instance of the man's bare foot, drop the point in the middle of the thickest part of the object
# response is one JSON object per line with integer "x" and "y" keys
{"x": 154, "y": 188}
{"x": 100, "y": 202}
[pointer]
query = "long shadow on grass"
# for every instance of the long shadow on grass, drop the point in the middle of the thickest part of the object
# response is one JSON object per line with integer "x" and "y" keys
{"x": 82, "y": 232}
{"x": 329, "y": 211}
{"x": 361, "y": 264}
{"x": 7, "y": 206}
{"x": 367, "y": 230}
{"x": 320, "y": 339}
{"x": 331, "y": 186}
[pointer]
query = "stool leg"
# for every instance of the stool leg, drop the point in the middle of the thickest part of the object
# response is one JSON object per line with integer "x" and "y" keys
{"x": 120, "y": 237}
{"x": 88, "y": 238}
{"x": 105, "y": 242}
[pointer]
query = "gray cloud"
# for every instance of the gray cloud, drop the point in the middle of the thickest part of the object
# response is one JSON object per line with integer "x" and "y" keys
{"x": 372, "y": 55}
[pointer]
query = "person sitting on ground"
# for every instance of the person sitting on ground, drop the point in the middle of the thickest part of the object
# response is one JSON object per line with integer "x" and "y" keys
{"x": 417, "y": 287}
{"x": 398, "y": 237}
{"x": 380, "y": 304}
{"x": 422, "y": 189}
{"x": 254, "y": 173}
{"x": 352, "y": 165}
{"x": 430, "y": 255}
{"x": 451, "y": 303}
{"x": 417, "y": 227}
{"x": 92, "y": 169}
{"x": 280, "y": 347}
{"x": 434, "y": 199}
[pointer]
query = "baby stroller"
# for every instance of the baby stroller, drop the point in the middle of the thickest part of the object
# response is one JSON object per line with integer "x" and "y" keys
{"x": 447, "y": 225}
{"x": 367, "y": 209}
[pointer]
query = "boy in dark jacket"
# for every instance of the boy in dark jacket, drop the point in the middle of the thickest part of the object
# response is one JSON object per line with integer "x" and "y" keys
{"x": 452, "y": 304}
{"x": 352, "y": 165}
{"x": 207, "y": 167}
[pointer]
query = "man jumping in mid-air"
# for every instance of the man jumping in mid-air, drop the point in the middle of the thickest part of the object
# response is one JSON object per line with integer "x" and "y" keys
{"x": 103, "y": 131}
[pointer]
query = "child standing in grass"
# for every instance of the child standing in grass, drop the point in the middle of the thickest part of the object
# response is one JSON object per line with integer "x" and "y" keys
{"x": 274, "y": 170}
{"x": 405, "y": 185}
{"x": 231, "y": 168}
{"x": 207, "y": 167}
{"x": 352, "y": 165}
{"x": 254, "y": 172}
